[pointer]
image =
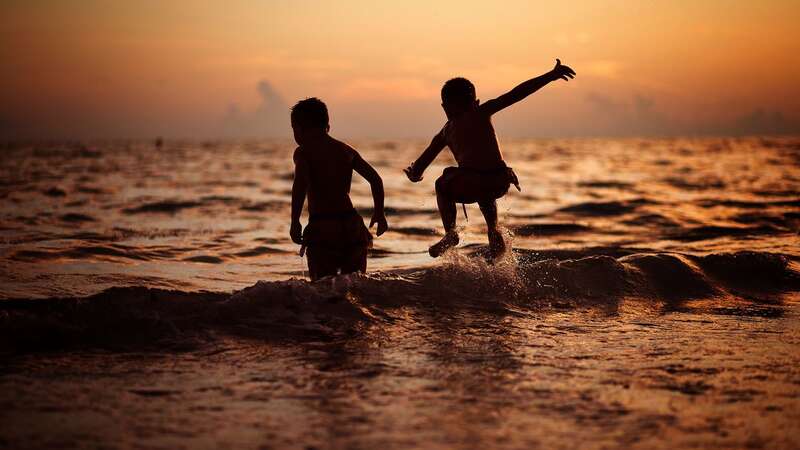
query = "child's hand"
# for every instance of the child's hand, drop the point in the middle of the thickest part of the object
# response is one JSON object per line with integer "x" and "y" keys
{"x": 380, "y": 219}
{"x": 562, "y": 71}
{"x": 296, "y": 233}
{"x": 412, "y": 175}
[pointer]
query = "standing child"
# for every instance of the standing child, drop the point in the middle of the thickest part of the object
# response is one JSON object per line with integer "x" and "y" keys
{"x": 481, "y": 176}
{"x": 335, "y": 238}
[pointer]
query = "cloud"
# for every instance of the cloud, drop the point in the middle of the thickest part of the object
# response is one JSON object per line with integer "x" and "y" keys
{"x": 643, "y": 105}
{"x": 763, "y": 122}
{"x": 269, "y": 119}
{"x": 635, "y": 115}
{"x": 639, "y": 115}
{"x": 603, "y": 102}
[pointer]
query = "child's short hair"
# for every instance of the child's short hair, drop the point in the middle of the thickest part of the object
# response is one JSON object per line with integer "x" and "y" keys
{"x": 310, "y": 113}
{"x": 458, "y": 91}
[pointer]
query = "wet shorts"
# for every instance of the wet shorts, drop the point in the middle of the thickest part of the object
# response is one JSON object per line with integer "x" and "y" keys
{"x": 336, "y": 243}
{"x": 464, "y": 185}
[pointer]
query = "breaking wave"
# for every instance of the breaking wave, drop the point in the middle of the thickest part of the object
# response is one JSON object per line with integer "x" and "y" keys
{"x": 744, "y": 283}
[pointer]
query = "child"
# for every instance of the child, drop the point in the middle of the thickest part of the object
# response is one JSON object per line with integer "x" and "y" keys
{"x": 335, "y": 237}
{"x": 481, "y": 176}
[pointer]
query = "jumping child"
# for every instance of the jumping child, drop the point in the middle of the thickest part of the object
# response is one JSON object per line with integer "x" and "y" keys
{"x": 481, "y": 176}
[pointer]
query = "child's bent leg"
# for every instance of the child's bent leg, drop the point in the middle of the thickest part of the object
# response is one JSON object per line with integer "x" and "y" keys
{"x": 447, "y": 206}
{"x": 497, "y": 245}
{"x": 447, "y": 209}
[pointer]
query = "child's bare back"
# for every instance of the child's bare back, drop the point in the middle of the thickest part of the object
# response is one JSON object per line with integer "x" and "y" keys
{"x": 335, "y": 237}
{"x": 472, "y": 139}
{"x": 329, "y": 165}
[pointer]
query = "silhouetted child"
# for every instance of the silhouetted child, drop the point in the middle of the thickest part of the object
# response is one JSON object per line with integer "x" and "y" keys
{"x": 335, "y": 238}
{"x": 481, "y": 176}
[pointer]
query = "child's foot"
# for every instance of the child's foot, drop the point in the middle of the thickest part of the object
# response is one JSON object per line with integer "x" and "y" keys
{"x": 497, "y": 245}
{"x": 448, "y": 241}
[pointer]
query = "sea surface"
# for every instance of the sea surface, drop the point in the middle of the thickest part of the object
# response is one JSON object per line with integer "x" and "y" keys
{"x": 150, "y": 297}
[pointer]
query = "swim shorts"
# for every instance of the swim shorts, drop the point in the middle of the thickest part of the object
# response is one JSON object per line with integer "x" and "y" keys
{"x": 465, "y": 185}
{"x": 336, "y": 243}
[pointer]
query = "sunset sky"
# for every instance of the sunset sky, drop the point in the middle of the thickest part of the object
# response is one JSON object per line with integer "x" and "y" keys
{"x": 204, "y": 69}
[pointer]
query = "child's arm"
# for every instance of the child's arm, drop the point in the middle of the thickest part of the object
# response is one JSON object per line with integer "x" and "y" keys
{"x": 376, "y": 185}
{"x": 416, "y": 169}
{"x": 527, "y": 88}
{"x": 299, "y": 189}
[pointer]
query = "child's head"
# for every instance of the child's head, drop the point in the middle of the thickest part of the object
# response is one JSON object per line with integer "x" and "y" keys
{"x": 458, "y": 95}
{"x": 309, "y": 118}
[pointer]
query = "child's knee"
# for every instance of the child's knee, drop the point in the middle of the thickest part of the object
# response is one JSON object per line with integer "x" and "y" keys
{"x": 441, "y": 185}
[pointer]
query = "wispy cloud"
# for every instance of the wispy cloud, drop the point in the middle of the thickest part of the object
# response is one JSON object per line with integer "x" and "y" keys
{"x": 761, "y": 121}
{"x": 269, "y": 119}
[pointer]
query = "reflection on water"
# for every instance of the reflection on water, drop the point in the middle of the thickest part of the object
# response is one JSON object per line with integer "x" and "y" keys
{"x": 432, "y": 376}
{"x": 652, "y": 302}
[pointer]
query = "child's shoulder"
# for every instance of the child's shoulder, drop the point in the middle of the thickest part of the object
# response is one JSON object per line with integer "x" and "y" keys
{"x": 327, "y": 149}
{"x": 345, "y": 148}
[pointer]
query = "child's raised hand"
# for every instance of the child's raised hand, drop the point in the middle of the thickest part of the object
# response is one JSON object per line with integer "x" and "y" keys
{"x": 561, "y": 71}
{"x": 380, "y": 219}
{"x": 412, "y": 175}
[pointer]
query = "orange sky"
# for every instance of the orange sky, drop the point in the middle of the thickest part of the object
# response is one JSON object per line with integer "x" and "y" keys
{"x": 209, "y": 68}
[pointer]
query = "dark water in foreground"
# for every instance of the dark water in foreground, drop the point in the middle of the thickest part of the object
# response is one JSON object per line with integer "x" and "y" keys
{"x": 652, "y": 302}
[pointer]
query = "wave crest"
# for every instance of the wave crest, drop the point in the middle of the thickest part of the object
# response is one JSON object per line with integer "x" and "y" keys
{"x": 339, "y": 306}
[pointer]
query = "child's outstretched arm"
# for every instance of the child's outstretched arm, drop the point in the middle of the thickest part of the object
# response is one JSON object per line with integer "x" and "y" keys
{"x": 417, "y": 168}
{"x": 376, "y": 185}
{"x": 299, "y": 189}
{"x": 527, "y": 88}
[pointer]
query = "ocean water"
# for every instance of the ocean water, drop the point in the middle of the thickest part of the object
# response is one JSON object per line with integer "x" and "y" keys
{"x": 151, "y": 298}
